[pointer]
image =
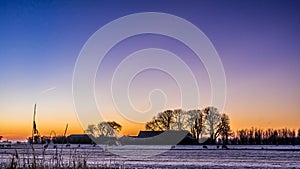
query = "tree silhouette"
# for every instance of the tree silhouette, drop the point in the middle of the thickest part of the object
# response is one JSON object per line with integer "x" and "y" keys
{"x": 114, "y": 125}
{"x": 223, "y": 128}
{"x": 258, "y": 136}
{"x": 92, "y": 129}
{"x": 179, "y": 119}
{"x": 282, "y": 136}
{"x": 163, "y": 121}
{"x": 108, "y": 129}
{"x": 212, "y": 119}
{"x": 195, "y": 122}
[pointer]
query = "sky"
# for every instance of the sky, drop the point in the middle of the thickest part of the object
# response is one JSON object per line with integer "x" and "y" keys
{"x": 257, "y": 41}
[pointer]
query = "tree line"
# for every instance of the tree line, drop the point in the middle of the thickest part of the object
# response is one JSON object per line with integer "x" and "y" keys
{"x": 208, "y": 124}
{"x": 200, "y": 123}
{"x": 255, "y": 136}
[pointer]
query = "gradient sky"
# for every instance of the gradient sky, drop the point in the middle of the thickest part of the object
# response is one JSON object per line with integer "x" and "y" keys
{"x": 257, "y": 41}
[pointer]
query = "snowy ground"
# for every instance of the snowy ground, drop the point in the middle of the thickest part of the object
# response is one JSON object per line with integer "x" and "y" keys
{"x": 263, "y": 156}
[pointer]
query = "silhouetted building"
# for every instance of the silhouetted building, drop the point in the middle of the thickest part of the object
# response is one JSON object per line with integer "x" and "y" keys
{"x": 170, "y": 137}
{"x": 79, "y": 139}
{"x": 145, "y": 134}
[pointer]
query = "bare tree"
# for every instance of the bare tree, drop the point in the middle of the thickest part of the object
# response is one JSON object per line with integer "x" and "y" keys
{"x": 153, "y": 125}
{"x": 92, "y": 129}
{"x": 195, "y": 122}
{"x": 104, "y": 129}
{"x": 190, "y": 122}
{"x": 223, "y": 128}
{"x": 212, "y": 118}
{"x": 199, "y": 124}
{"x": 115, "y": 126}
{"x": 163, "y": 121}
{"x": 110, "y": 128}
{"x": 179, "y": 119}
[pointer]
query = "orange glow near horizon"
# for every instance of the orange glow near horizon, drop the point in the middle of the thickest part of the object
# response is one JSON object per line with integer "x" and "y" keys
{"x": 22, "y": 131}
{"x": 258, "y": 106}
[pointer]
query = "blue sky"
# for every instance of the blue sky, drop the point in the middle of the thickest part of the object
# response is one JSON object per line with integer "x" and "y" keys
{"x": 257, "y": 41}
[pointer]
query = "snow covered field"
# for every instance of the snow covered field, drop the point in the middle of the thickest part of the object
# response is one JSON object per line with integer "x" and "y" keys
{"x": 263, "y": 156}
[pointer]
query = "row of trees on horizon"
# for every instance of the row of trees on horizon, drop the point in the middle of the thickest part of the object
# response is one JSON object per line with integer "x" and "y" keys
{"x": 206, "y": 123}
{"x": 268, "y": 136}
{"x": 197, "y": 122}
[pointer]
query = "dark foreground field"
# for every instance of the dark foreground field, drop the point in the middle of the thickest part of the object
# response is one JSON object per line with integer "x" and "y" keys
{"x": 100, "y": 156}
